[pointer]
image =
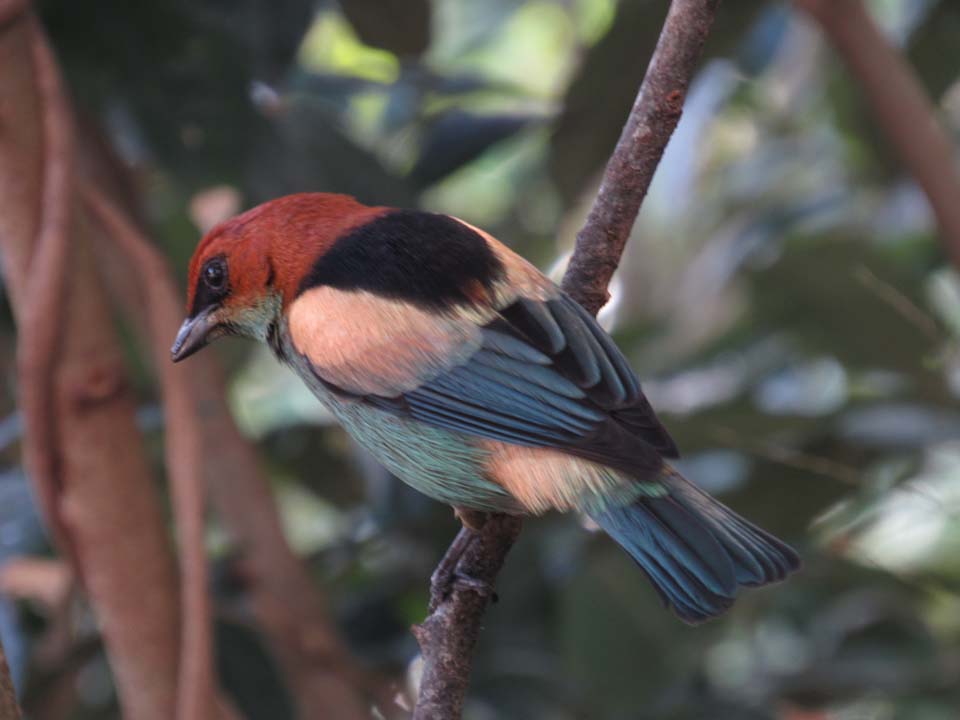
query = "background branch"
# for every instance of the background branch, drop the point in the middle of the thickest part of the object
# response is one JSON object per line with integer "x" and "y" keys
{"x": 448, "y": 635}
{"x": 900, "y": 107}
{"x": 196, "y": 686}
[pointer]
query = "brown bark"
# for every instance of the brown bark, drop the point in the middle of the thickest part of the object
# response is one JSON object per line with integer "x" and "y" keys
{"x": 628, "y": 174}
{"x": 9, "y": 708}
{"x": 448, "y": 635}
{"x": 900, "y": 107}
{"x": 83, "y": 450}
{"x": 196, "y": 685}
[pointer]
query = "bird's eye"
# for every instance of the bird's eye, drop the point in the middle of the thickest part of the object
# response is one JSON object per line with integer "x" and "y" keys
{"x": 215, "y": 275}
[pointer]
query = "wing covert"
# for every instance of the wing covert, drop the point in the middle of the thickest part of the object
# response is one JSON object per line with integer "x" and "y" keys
{"x": 538, "y": 373}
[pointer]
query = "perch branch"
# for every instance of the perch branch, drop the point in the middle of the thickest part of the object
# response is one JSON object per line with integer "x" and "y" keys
{"x": 448, "y": 635}
{"x": 900, "y": 107}
{"x": 652, "y": 120}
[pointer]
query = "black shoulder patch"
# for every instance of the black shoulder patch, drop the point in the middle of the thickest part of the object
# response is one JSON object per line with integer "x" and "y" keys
{"x": 420, "y": 257}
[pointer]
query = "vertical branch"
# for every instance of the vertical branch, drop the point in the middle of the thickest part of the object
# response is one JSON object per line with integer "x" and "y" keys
{"x": 9, "y": 709}
{"x": 900, "y": 107}
{"x": 197, "y": 694}
{"x": 41, "y": 320}
{"x": 448, "y": 635}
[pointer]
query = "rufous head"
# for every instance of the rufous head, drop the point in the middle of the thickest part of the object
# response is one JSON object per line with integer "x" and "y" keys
{"x": 247, "y": 270}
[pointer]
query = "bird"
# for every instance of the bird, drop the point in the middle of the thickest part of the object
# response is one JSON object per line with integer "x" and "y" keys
{"x": 472, "y": 377}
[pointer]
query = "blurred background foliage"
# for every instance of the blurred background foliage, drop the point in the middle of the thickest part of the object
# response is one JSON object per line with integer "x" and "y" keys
{"x": 784, "y": 298}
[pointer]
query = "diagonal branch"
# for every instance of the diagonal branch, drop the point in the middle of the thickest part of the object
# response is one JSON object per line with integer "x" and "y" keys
{"x": 900, "y": 107}
{"x": 448, "y": 635}
{"x": 628, "y": 174}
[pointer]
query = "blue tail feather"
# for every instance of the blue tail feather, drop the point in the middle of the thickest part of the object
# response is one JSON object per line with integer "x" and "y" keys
{"x": 696, "y": 551}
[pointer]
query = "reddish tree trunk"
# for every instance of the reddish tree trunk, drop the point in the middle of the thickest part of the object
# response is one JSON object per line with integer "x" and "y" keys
{"x": 101, "y": 493}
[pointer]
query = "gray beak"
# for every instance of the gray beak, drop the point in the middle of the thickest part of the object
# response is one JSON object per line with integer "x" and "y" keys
{"x": 193, "y": 335}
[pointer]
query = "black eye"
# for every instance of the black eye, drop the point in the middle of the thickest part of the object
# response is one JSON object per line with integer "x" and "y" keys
{"x": 215, "y": 275}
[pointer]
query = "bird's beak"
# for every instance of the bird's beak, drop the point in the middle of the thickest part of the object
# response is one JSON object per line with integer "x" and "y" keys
{"x": 193, "y": 335}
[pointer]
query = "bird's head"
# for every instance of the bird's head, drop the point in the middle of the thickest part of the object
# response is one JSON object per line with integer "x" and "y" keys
{"x": 246, "y": 271}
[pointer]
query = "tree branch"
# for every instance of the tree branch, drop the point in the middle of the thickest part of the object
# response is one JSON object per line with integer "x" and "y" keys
{"x": 900, "y": 107}
{"x": 652, "y": 120}
{"x": 448, "y": 635}
{"x": 197, "y": 697}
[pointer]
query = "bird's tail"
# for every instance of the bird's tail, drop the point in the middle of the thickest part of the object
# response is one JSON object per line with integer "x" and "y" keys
{"x": 695, "y": 550}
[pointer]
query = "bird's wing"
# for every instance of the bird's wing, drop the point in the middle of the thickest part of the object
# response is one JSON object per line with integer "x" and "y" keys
{"x": 536, "y": 372}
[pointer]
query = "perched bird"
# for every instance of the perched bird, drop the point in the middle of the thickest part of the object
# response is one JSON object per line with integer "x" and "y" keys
{"x": 472, "y": 377}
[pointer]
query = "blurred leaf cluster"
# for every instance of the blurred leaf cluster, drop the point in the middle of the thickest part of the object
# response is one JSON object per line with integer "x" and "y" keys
{"x": 783, "y": 297}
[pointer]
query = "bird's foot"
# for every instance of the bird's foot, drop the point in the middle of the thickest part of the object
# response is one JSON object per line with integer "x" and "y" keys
{"x": 446, "y": 577}
{"x": 443, "y": 583}
{"x": 481, "y": 587}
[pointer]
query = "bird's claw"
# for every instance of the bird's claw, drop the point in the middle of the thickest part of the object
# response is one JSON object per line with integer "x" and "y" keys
{"x": 442, "y": 584}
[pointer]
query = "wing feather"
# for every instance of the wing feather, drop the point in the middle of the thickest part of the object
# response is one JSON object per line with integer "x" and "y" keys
{"x": 532, "y": 369}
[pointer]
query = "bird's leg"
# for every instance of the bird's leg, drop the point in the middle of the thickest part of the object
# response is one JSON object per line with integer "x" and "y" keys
{"x": 446, "y": 577}
{"x": 472, "y": 519}
{"x": 441, "y": 582}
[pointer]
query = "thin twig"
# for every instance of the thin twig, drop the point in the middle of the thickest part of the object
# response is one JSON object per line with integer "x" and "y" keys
{"x": 899, "y": 302}
{"x": 900, "y": 107}
{"x": 448, "y": 635}
{"x": 790, "y": 457}
{"x": 197, "y": 697}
